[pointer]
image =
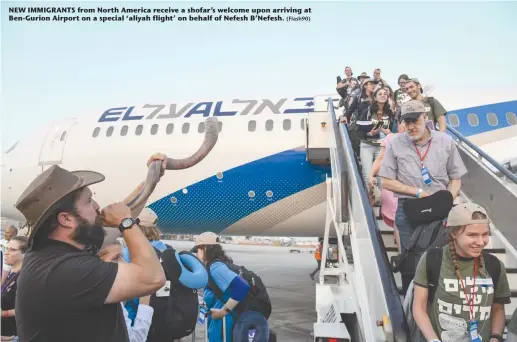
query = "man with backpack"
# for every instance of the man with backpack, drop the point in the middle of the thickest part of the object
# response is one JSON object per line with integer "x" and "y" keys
{"x": 233, "y": 292}
{"x": 433, "y": 108}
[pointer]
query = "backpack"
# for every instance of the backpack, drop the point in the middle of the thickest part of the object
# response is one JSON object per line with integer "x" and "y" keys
{"x": 175, "y": 315}
{"x": 425, "y": 236}
{"x": 433, "y": 263}
{"x": 257, "y": 298}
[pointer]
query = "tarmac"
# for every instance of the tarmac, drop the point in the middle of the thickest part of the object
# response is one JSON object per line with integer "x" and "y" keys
{"x": 286, "y": 277}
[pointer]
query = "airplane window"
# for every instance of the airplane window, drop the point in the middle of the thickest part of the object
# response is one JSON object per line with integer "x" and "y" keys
{"x": 302, "y": 124}
{"x": 492, "y": 119}
{"x": 169, "y": 129}
{"x": 454, "y": 120}
{"x": 63, "y": 136}
{"x": 96, "y": 132}
{"x": 154, "y": 129}
{"x": 252, "y": 125}
{"x": 185, "y": 128}
{"x": 511, "y": 118}
{"x": 473, "y": 119}
{"x": 220, "y": 126}
{"x": 287, "y": 124}
{"x": 109, "y": 132}
{"x": 123, "y": 130}
{"x": 139, "y": 129}
{"x": 269, "y": 125}
{"x": 201, "y": 127}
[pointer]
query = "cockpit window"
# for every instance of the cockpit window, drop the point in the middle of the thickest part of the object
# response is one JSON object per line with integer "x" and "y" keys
{"x": 11, "y": 148}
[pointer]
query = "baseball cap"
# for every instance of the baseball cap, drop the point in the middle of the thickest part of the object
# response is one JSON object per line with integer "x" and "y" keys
{"x": 411, "y": 109}
{"x": 415, "y": 80}
{"x": 207, "y": 238}
{"x": 148, "y": 218}
{"x": 461, "y": 215}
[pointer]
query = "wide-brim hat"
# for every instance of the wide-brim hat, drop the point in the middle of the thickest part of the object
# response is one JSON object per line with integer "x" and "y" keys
{"x": 40, "y": 197}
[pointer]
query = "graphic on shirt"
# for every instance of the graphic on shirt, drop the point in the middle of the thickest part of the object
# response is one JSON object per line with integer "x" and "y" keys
{"x": 454, "y": 310}
{"x": 402, "y": 98}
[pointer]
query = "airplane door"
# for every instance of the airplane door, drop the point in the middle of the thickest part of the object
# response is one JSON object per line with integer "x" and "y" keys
{"x": 54, "y": 144}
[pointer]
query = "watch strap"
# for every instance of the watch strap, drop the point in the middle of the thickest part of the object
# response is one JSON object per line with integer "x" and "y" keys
{"x": 135, "y": 221}
{"x": 497, "y": 336}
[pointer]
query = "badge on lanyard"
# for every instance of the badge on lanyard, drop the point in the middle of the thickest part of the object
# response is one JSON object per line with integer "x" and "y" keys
{"x": 425, "y": 175}
{"x": 473, "y": 331}
{"x": 423, "y": 169}
{"x": 201, "y": 316}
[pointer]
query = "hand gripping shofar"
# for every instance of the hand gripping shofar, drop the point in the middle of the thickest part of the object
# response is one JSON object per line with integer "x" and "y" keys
{"x": 153, "y": 174}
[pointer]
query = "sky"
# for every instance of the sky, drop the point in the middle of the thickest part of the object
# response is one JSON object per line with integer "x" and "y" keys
{"x": 58, "y": 70}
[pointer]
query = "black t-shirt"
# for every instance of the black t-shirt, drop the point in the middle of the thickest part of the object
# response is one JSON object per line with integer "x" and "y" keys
{"x": 8, "y": 300}
{"x": 61, "y": 294}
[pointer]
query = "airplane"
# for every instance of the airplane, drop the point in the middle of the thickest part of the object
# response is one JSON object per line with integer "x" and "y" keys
{"x": 256, "y": 181}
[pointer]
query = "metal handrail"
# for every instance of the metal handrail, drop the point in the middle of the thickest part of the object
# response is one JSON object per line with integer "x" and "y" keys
{"x": 494, "y": 163}
{"x": 343, "y": 211}
{"x": 396, "y": 313}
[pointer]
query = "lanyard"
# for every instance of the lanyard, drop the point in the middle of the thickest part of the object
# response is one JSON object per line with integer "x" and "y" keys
{"x": 11, "y": 278}
{"x": 425, "y": 154}
{"x": 470, "y": 301}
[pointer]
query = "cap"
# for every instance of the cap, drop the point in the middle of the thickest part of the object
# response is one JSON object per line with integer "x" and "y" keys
{"x": 412, "y": 109}
{"x": 461, "y": 215}
{"x": 207, "y": 238}
{"x": 148, "y": 218}
{"x": 414, "y": 80}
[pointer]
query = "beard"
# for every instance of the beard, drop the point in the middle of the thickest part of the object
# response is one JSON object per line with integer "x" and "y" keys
{"x": 418, "y": 136}
{"x": 90, "y": 235}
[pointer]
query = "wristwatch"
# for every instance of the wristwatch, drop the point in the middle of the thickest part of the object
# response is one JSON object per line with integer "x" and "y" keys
{"x": 128, "y": 223}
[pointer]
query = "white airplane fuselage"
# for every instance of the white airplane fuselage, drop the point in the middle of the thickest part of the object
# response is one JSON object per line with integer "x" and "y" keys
{"x": 255, "y": 181}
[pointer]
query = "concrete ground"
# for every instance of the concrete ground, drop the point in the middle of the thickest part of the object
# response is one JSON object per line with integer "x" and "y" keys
{"x": 286, "y": 276}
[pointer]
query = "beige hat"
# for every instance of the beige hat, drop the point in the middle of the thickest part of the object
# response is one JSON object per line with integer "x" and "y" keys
{"x": 207, "y": 238}
{"x": 461, "y": 215}
{"x": 412, "y": 109}
{"x": 148, "y": 218}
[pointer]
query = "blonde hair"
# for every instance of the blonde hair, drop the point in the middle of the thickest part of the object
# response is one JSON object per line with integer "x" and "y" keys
{"x": 477, "y": 215}
{"x": 151, "y": 233}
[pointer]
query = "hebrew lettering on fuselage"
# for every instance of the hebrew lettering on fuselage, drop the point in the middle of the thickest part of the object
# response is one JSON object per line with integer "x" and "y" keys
{"x": 301, "y": 105}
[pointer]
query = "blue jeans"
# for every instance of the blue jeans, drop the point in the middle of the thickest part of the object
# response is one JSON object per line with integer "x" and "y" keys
{"x": 251, "y": 320}
{"x": 404, "y": 226}
{"x": 368, "y": 154}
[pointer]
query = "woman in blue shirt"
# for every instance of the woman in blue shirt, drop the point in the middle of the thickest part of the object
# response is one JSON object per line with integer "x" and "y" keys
{"x": 234, "y": 290}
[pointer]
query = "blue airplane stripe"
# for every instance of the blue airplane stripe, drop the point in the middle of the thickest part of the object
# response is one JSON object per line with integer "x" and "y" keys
{"x": 299, "y": 110}
{"x": 304, "y": 99}
{"x": 214, "y": 204}
{"x": 499, "y": 109}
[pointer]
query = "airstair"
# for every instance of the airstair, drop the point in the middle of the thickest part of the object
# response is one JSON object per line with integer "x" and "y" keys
{"x": 360, "y": 299}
